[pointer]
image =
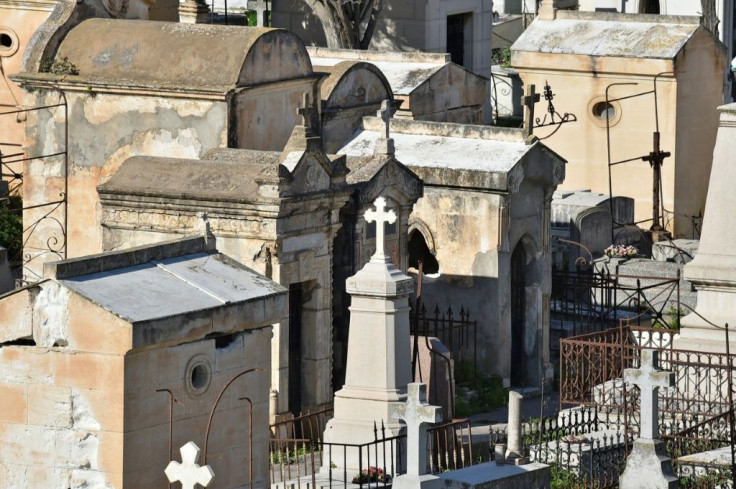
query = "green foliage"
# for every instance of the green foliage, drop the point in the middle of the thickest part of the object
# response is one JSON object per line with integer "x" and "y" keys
{"x": 503, "y": 56}
{"x": 709, "y": 479}
{"x": 563, "y": 479}
{"x": 62, "y": 67}
{"x": 670, "y": 319}
{"x": 489, "y": 394}
{"x": 11, "y": 225}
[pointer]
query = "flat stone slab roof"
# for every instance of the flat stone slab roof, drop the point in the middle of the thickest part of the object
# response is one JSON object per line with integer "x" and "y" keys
{"x": 444, "y": 152}
{"x": 173, "y": 286}
{"x": 612, "y": 38}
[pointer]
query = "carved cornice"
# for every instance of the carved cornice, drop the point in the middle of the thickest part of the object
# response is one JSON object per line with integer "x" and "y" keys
{"x": 41, "y": 5}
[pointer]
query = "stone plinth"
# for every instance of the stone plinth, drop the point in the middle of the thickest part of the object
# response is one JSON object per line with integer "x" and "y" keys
{"x": 713, "y": 270}
{"x": 378, "y": 368}
{"x": 492, "y": 476}
{"x": 648, "y": 467}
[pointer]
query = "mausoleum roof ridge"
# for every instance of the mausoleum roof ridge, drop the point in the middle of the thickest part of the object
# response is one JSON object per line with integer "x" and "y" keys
{"x": 606, "y": 37}
{"x": 167, "y": 54}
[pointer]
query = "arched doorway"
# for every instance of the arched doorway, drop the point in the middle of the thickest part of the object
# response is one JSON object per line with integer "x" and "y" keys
{"x": 518, "y": 316}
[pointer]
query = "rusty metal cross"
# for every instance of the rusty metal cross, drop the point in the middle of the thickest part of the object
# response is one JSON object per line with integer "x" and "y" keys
{"x": 528, "y": 101}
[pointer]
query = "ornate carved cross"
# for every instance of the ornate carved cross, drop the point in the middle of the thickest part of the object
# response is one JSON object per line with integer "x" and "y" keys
{"x": 416, "y": 413}
{"x": 387, "y": 111}
{"x": 380, "y": 216}
{"x": 649, "y": 378}
{"x": 262, "y": 11}
{"x": 528, "y": 101}
{"x": 188, "y": 472}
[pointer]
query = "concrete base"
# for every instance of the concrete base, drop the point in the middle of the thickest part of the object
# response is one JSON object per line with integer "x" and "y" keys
{"x": 648, "y": 467}
{"x": 417, "y": 482}
{"x": 492, "y": 476}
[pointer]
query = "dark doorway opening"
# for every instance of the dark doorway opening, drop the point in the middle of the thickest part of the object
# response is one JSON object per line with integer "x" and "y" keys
{"x": 418, "y": 250}
{"x": 649, "y": 7}
{"x": 518, "y": 316}
{"x": 459, "y": 38}
{"x": 295, "y": 348}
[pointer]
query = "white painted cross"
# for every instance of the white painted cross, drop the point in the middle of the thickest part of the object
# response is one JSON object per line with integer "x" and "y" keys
{"x": 416, "y": 413}
{"x": 649, "y": 378}
{"x": 262, "y": 12}
{"x": 188, "y": 472}
{"x": 381, "y": 217}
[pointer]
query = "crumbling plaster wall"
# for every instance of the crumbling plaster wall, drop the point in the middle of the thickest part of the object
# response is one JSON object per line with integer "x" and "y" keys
{"x": 104, "y": 130}
{"x": 61, "y": 405}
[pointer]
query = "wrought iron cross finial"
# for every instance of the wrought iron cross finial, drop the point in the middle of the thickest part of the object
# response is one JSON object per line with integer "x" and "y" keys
{"x": 380, "y": 216}
{"x": 528, "y": 101}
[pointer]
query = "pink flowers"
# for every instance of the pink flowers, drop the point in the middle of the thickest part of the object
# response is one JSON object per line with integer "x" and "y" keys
{"x": 371, "y": 474}
{"x": 621, "y": 251}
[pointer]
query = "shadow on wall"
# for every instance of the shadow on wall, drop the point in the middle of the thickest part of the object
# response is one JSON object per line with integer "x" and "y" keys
{"x": 299, "y": 18}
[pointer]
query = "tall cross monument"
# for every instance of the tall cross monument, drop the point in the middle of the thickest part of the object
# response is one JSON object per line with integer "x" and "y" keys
{"x": 648, "y": 464}
{"x": 378, "y": 366}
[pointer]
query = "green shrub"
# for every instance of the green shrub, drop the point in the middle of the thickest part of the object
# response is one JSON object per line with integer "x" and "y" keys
{"x": 11, "y": 225}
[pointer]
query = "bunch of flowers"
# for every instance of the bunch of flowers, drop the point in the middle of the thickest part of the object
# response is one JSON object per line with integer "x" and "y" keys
{"x": 372, "y": 474}
{"x": 621, "y": 251}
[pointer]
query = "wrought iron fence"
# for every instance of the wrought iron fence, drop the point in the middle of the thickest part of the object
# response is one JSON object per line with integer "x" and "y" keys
{"x": 450, "y": 446}
{"x": 589, "y": 300}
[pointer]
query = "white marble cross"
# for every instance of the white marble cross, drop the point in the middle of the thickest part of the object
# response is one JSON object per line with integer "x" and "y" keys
{"x": 261, "y": 9}
{"x": 188, "y": 472}
{"x": 381, "y": 217}
{"x": 416, "y": 413}
{"x": 649, "y": 378}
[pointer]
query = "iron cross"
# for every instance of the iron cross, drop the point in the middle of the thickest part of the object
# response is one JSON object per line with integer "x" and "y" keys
{"x": 649, "y": 378}
{"x": 380, "y": 216}
{"x": 416, "y": 413}
{"x": 528, "y": 101}
{"x": 188, "y": 472}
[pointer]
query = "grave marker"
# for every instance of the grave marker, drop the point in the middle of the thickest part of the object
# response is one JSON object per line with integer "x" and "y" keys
{"x": 188, "y": 472}
{"x": 416, "y": 413}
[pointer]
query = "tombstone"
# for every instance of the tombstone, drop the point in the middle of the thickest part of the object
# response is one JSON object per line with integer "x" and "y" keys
{"x": 648, "y": 465}
{"x": 188, "y": 472}
{"x": 262, "y": 12}
{"x": 416, "y": 413}
{"x": 378, "y": 367}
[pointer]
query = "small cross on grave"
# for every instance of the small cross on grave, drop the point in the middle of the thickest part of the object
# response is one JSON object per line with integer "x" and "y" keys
{"x": 261, "y": 8}
{"x": 416, "y": 413}
{"x": 528, "y": 101}
{"x": 380, "y": 216}
{"x": 188, "y": 473}
{"x": 387, "y": 111}
{"x": 649, "y": 378}
{"x": 306, "y": 111}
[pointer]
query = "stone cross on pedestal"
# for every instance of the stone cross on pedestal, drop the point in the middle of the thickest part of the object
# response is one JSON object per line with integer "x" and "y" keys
{"x": 528, "y": 101}
{"x": 387, "y": 111}
{"x": 188, "y": 473}
{"x": 649, "y": 378}
{"x": 416, "y": 413}
{"x": 380, "y": 216}
{"x": 262, "y": 11}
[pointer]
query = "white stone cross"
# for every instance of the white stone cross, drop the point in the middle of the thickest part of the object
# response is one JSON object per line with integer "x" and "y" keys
{"x": 261, "y": 9}
{"x": 649, "y": 378}
{"x": 381, "y": 217}
{"x": 188, "y": 472}
{"x": 416, "y": 413}
{"x": 387, "y": 111}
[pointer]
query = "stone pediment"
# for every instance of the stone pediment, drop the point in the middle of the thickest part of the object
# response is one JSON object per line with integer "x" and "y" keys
{"x": 384, "y": 176}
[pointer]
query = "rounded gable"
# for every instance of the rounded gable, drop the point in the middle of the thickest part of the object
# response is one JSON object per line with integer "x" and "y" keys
{"x": 179, "y": 56}
{"x": 354, "y": 82}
